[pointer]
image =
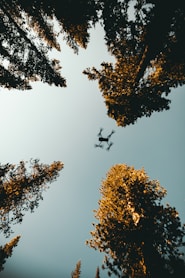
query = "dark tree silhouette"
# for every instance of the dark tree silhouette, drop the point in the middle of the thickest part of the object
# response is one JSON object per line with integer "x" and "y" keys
{"x": 149, "y": 53}
{"x": 27, "y": 34}
{"x": 21, "y": 60}
{"x": 139, "y": 235}
{"x": 97, "y": 273}
{"x": 21, "y": 190}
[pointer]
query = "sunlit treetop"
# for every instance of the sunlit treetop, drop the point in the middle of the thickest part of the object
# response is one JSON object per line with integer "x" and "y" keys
{"x": 149, "y": 51}
{"x": 138, "y": 234}
{"x": 6, "y": 251}
{"x": 21, "y": 189}
{"x": 77, "y": 271}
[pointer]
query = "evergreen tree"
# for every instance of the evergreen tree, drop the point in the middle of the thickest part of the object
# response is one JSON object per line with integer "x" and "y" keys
{"x": 140, "y": 236}
{"x": 76, "y": 273}
{"x": 149, "y": 53}
{"x": 21, "y": 190}
{"x": 6, "y": 251}
{"x": 27, "y": 34}
{"x": 21, "y": 60}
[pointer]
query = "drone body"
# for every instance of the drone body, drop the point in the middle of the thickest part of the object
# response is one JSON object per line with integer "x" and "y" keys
{"x": 104, "y": 139}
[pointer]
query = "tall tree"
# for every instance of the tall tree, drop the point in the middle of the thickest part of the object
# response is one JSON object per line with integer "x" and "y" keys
{"x": 21, "y": 190}
{"x": 140, "y": 236}
{"x": 76, "y": 273}
{"x": 149, "y": 52}
{"x": 27, "y": 34}
{"x": 21, "y": 60}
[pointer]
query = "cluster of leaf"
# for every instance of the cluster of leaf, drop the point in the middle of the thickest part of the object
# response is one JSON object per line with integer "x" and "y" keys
{"x": 139, "y": 235}
{"x": 21, "y": 190}
{"x": 149, "y": 53}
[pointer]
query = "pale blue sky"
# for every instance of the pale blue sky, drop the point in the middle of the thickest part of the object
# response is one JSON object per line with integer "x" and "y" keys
{"x": 53, "y": 124}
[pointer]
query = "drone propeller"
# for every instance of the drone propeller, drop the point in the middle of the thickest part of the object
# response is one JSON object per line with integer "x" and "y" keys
{"x": 112, "y": 132}
{"x": 99, "y": 134}
{"x": 98, "y": 146}
{"x": 109, "y": 146}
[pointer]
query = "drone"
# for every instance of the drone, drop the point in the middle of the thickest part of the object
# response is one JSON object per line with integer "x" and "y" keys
{"x": 104, "y": 139}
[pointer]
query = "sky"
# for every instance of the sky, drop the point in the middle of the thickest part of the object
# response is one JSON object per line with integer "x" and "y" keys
{"x": 54, "y": 124}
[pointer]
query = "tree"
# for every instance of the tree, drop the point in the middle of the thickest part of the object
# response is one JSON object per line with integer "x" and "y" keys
{"x": 149, "y": 53}
{"x": 6, "y": 251}
{"x": 22, "y": 61}
{"x": 97, "y": 273}
{"x": 21, "y": 190}
{"x": 76, "y": 273}
{"x": 139, "y": 235}
{"x": 27, "y": 34}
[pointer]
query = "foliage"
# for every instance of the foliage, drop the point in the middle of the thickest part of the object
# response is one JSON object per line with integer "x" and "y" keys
{"x": 27, "y": 34}
{"x": 77, "y": 271}
{"x": 153, "y": 61}
{"x": 76, "y": 18}
{"x": 21, "y": 190}
{"x": 21, "y": 60}
{"x": 149, "y": 52}
{"x": 139, "y": 235}
{"x": 6, "y": 251}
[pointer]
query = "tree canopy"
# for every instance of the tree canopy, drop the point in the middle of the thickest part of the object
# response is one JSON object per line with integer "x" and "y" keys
{"x": 27, "y": 33}
{"x": 21, "y": 190}
{"x": 139, "y": 235}
{"x": 149, "y": 48}
{"x": 149, "y": 51}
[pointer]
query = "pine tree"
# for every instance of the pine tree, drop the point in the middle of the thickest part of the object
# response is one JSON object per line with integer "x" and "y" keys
{"x": 139, "y": 235}
{"x": 27, "y": 34}
{"x": 149, "y": 53}
{"x": 21, "y": 189}
{"x": 21, "y": 60}
{"x": 6, "y": 251}
{"x": 76, "y": 273}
